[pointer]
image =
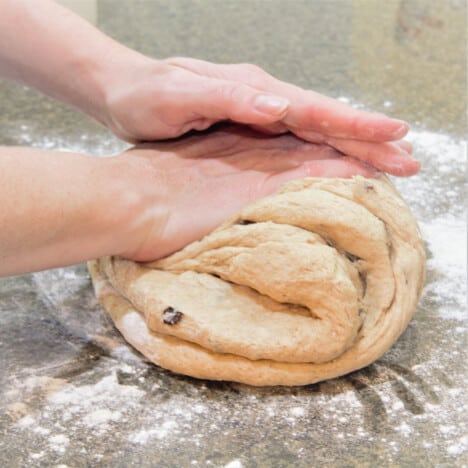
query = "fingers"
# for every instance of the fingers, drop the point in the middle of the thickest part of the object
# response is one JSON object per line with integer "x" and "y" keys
{"x": 388, "y": 157}
{"x": 314, "y": 112}
{"x": 217, "y": 99}
{"x": 275, "y": 128}
{"x": 341, "y": 167}
{"x": 394, "y": 158}
{"x": 405, "y": 145}
{"x": 310, "y": 110}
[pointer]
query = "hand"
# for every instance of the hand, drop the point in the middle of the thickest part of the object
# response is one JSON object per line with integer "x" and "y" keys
{"x": 142, "y": 99}
{"x": 191, "y": 185}
{"x": 146, "y": 202}
{"x": 148, "y": 100}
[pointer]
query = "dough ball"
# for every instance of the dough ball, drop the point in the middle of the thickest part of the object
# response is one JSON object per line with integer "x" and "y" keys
{"x": 310, "y": 283}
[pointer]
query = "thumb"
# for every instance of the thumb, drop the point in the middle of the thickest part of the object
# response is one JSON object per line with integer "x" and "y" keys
{"x": 236, "y": 101}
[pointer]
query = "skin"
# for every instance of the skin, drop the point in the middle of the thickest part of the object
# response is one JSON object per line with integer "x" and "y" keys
{"x": 149, "y": 201}
{"x": 155, "y": 200}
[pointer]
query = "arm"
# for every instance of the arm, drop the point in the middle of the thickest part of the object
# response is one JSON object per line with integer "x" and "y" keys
{"x": 141, "y": 99}
{"x": 57, "y": 209}
{"x": 60, "y": 208}
{"x": 48, "y": 47}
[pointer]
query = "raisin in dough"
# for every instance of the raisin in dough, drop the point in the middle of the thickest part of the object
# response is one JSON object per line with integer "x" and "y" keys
{"x": 310, "y": 283}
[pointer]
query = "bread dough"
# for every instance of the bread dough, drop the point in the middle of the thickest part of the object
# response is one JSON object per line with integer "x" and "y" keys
{"x": 310, "y": 283}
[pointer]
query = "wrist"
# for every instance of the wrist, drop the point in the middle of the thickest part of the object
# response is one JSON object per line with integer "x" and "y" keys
{"x": 130, "y": 83}
{"x": 96, "y": 74}
{"x": 140, "y": 207}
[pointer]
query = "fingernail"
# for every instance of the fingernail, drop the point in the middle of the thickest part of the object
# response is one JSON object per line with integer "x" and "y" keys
{"x": 273, "y": 105}
{"x": 403, "y": 168}
{"x": 401, "y": 130}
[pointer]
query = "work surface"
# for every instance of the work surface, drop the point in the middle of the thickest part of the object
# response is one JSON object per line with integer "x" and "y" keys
{"x": 73, "y": 393}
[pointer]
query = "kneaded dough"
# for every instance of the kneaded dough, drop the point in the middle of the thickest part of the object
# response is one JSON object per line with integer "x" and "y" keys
{"x": 310, "y": 283}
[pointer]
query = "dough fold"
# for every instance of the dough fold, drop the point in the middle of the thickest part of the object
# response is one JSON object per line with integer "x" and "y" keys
{"x": 310, "y": 283}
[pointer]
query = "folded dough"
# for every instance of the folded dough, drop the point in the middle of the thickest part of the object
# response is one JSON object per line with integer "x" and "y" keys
{"x": 310, "y": 283}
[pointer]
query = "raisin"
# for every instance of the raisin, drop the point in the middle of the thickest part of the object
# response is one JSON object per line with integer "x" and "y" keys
{"x": 171, "y": 316}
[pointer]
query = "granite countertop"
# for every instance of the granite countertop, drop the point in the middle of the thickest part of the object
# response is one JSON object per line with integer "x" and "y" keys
{"x": 73, "y": 393}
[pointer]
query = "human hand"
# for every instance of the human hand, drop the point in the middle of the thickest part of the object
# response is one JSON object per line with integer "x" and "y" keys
{"x": 149, "y": 100}
{"x": 190, "y": 186}
{"x": 142, "y": 99}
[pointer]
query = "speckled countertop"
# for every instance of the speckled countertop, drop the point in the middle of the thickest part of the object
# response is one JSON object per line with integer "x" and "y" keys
{"x": 74, "y": 394}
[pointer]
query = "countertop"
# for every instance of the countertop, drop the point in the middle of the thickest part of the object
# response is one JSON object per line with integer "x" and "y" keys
{"x": 73, "y": 393}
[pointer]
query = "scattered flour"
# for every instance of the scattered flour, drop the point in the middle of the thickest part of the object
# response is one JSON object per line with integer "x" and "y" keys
{"x": 234, "y": 464}
{"x": 438, "y": 198}
{"x": 101, "y": 417}
{"x": 142, "y": 436}
{"x": 28, "y": 136}
{"x": 59, "y": 442}
{"x": 404, "y": 429}
{"x": 26, "y": 421}
{"x": 297, "y": 411}
{"x": 125, "y": 353}
{"x": 458, "y": 448}
{"x": 84, "y": 399}
{"x": 95, "y": 406}
{"x": 448, "y": 152}
{"x": 446, "y": 238}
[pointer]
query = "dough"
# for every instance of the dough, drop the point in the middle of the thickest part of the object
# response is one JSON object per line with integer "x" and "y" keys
{"x": 310, "y": 283}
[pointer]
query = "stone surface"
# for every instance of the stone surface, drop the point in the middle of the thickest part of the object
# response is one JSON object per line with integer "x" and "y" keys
{"x": 73, "y": 393}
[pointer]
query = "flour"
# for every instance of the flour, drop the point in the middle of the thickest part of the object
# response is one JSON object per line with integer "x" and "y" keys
{"x": 297, "y": 411}
{"x": 106, "y": 391}
{"x": 101, "y": 417}
{"x": 458, "y": 448}
{"x": 446, "y": 238}
{"x": 234, "y": 464}
{"x": 28, "y": 136}
{"x": 437, "y": 196}
{"x": 404, "y": 429}
{"x": 93, "y": 407}
{"x": 448, "y": 152}
{"x": 142, "y": 437}
{"x": 439, "y": 189}
{"x": 59, "y": 442}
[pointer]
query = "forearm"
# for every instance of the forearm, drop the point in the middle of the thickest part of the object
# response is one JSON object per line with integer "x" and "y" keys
{"x": 58, "y": 209}
{"x": 45, "y": 46}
